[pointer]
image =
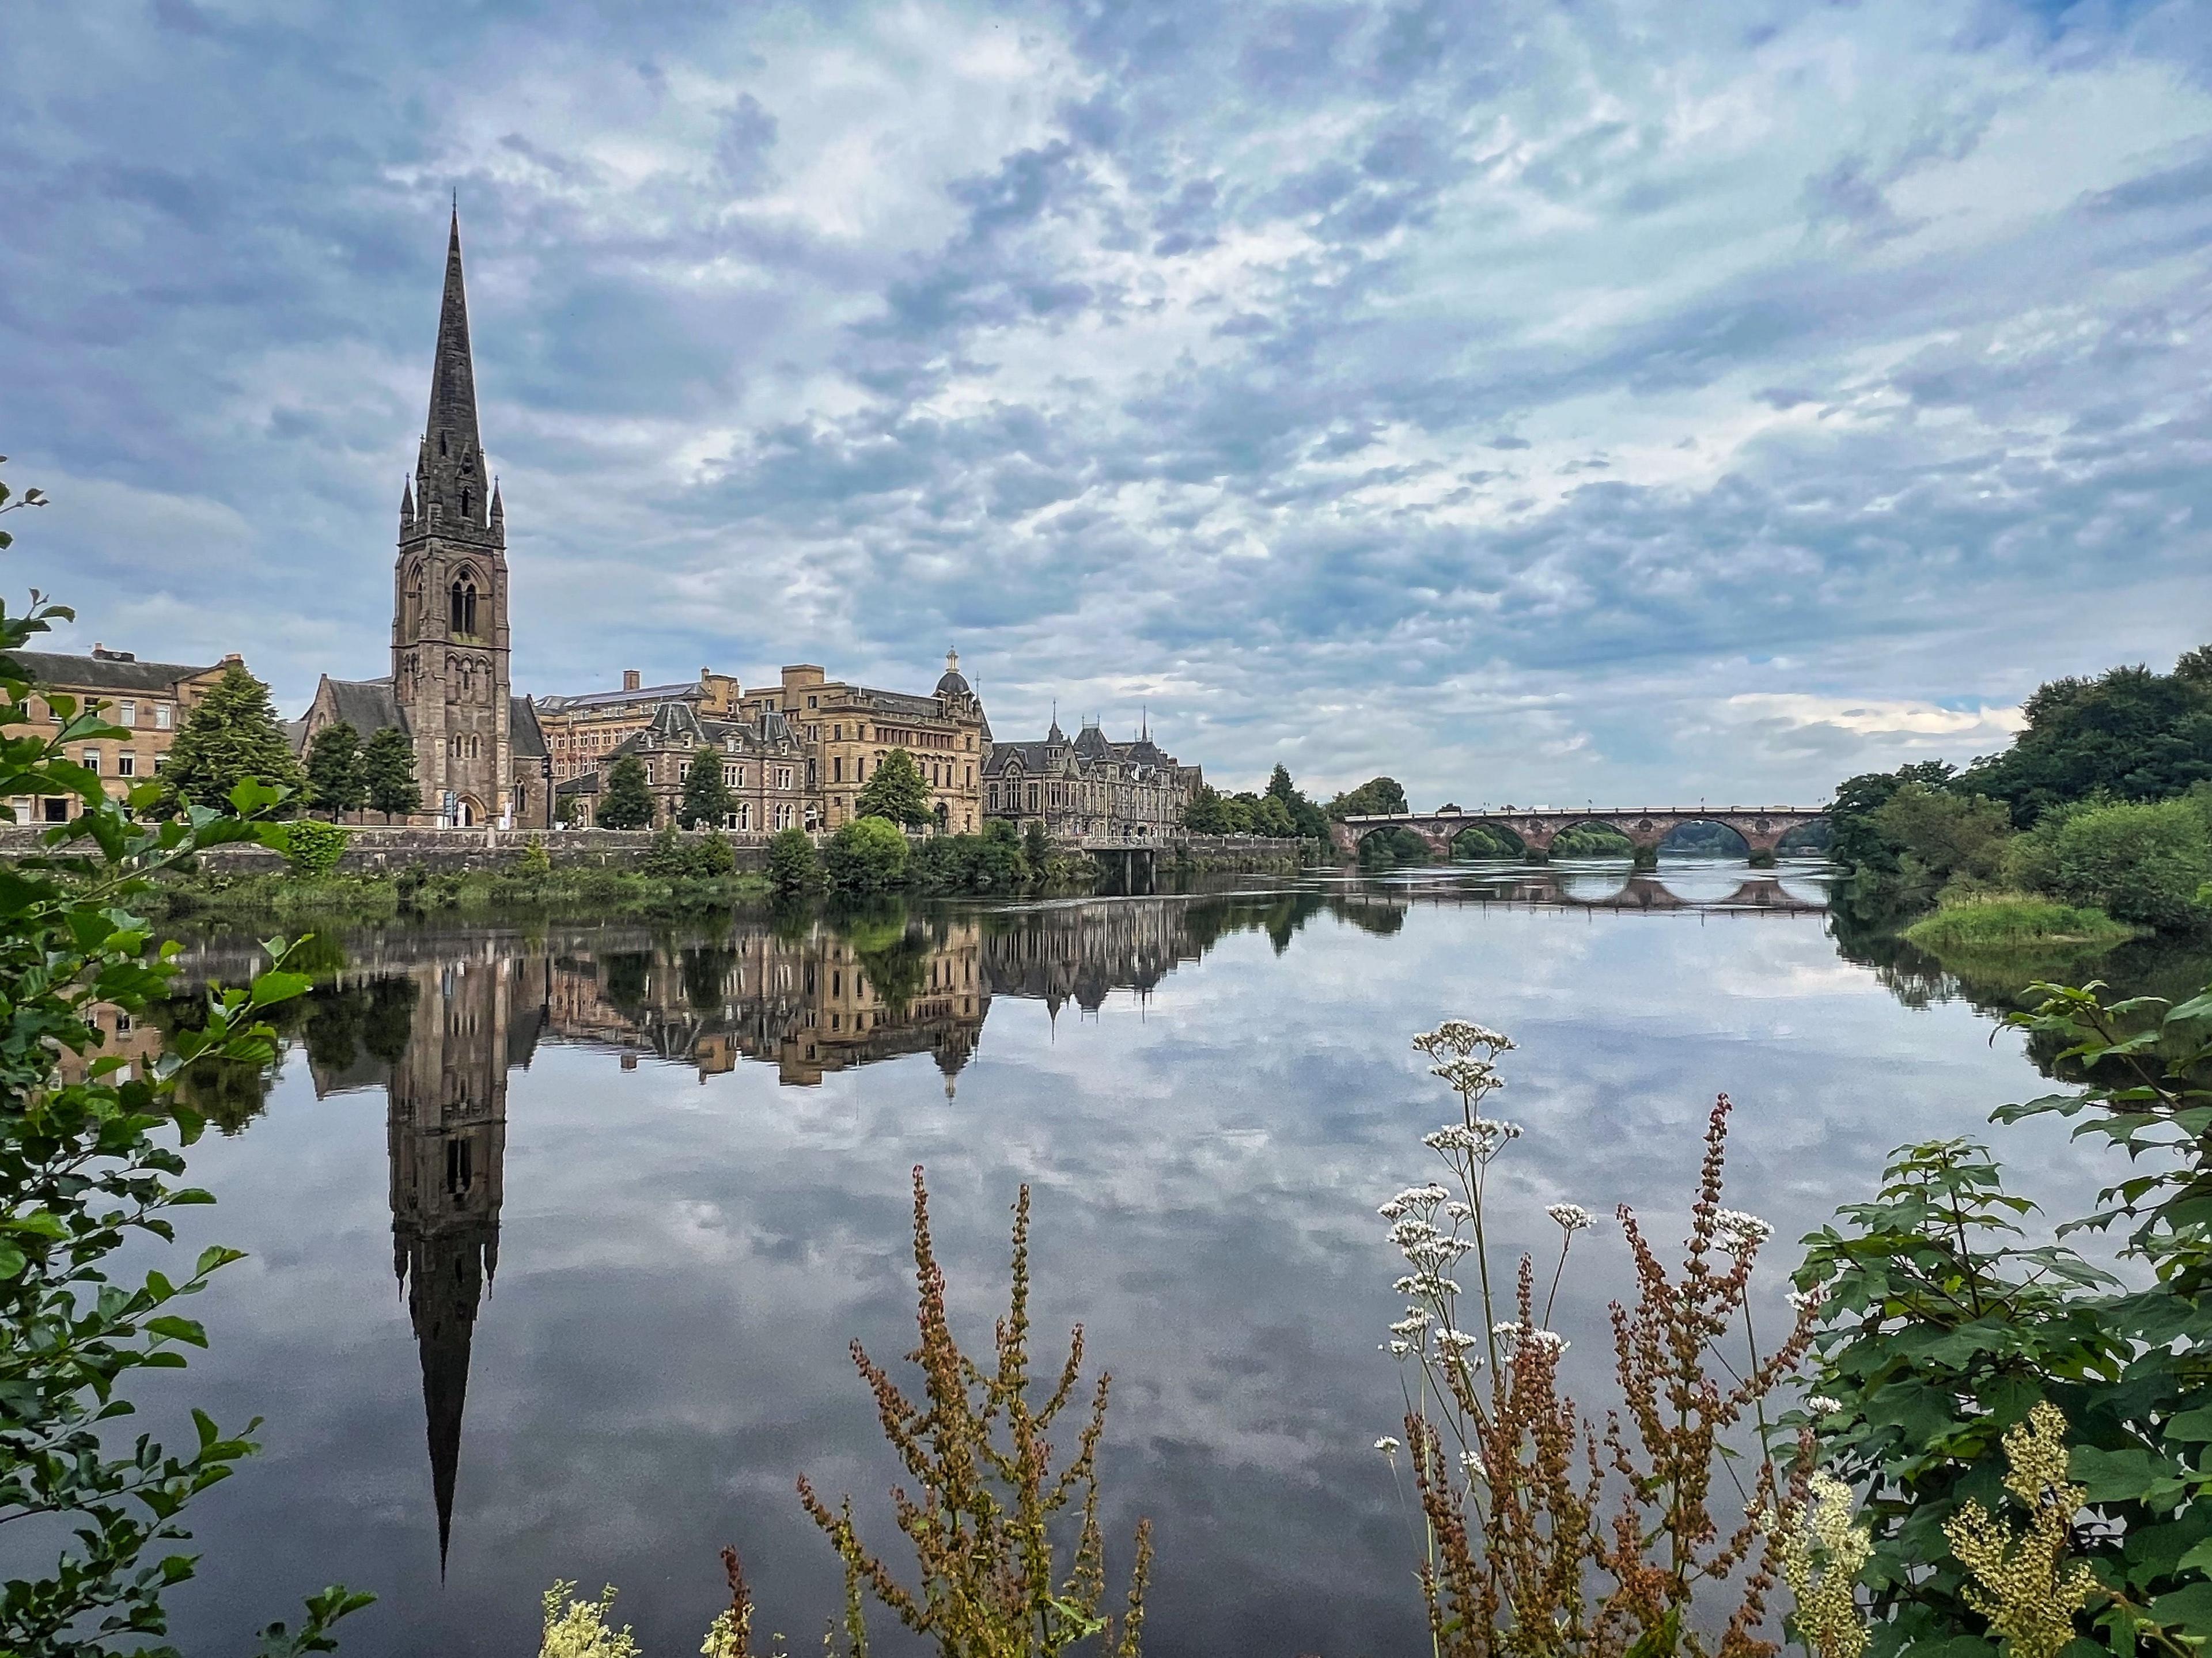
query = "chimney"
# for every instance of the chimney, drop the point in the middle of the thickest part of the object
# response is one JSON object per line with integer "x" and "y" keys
{"x": 632, "y": 679}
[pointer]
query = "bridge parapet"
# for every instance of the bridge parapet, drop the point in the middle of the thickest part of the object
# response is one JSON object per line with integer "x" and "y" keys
{"x": 1761, "y": 826}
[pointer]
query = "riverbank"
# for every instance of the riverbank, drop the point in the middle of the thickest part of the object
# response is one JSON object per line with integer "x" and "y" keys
{"x": 2012, "y": 922}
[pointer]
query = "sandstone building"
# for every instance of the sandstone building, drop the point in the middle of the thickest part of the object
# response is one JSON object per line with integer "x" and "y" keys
{"x": 479, "y": 755}
{"x": 583, "y": 732}
{"x": 796, "y": 753}
{"x": 148, "y": 699}
{"x": 768, "y": 771}
{"x": 1091, "y": 786}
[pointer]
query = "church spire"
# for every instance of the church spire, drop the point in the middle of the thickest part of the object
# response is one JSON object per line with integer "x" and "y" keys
{"x": 453, "y": 497}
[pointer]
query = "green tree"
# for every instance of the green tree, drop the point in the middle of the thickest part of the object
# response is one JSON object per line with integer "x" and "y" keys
{"x": 84, "y": 1173}
{"x": 1036, "y": 848}
{"x": 2128, "y": 734}
{"x": 1308, "y": 821}
{"x": 706, "y": 796}
{"x": 1859, "y": 841}
{"x": 896, "y": 793}
{"x": 868, "y": 855}
{"x": 1378, "y": 796}
{"x": 1940, "y": 833}
{"x": 336, "y": 780}
{"x": 794, "y": 868}
{"x": 387, "y": 769}
{"x": 232, "y": 735}
{"x": 1207, "y": 813}
{"x": 627, "y": 803}
{"x": 1271, "y": 816}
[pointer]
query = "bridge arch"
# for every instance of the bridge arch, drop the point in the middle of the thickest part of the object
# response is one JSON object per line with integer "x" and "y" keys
{"x": 1486, "y": 838}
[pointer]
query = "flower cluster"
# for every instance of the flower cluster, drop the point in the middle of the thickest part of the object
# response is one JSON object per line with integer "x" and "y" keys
{"x": 1482, "y": 1138}
{"x": 1822, "y": 1552}
{"x": 1573, "y": 1218}
{"x": 1738, "y": 1233}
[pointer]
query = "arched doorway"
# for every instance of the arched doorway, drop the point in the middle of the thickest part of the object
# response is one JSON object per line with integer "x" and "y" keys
{"x": 468, "y": 812}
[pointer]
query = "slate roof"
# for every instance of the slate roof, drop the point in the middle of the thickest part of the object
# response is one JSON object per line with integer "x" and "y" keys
{"x": 367, "y": 705}
{"x": 525, "y": 738}
{"x": 898, "y": 702}
{"x": 690, "y": 690}
{"x": 104, "y": 673}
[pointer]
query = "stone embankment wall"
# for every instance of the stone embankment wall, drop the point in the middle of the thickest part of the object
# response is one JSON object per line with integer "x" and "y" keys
{"x": 369, "y": 851}
{"x": 372, "y": 850}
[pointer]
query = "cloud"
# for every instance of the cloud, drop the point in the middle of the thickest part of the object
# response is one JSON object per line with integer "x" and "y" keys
{"x": 1483, "y": 386}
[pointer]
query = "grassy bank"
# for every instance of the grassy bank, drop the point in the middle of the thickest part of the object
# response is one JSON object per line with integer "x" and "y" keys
{"x": 581, "y": 894}
{"x": 2010, "y": 923}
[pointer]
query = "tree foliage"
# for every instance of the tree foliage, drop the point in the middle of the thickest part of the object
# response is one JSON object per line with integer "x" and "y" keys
{"x": 2130, "y": 734}
{"x": 231, "y": 736}
{"x": 896, "y": 793}
{"x": 1939, "y": 834}
{"x": 794, "y": 868}
{"x": 2139, "y": 862}
{"x": 627, "y": 803}
{"x": 868, "y": 855}
{"x": 335, "y": 779}
{"x": 1378, "y": 796}
{"x": 706, "y": 795}
{"x": 387, "y": 766}
{"x": 84, "y": 1171}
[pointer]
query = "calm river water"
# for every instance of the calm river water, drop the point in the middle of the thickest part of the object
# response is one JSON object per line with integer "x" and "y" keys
{"x": 559, "y": 1235}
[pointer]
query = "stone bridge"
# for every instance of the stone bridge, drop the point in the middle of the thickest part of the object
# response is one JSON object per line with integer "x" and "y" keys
{"x": 1537, "y": 827}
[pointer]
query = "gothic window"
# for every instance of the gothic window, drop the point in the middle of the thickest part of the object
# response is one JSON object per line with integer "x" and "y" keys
{"x": 441, "y": 446}
{"x": 461, "y": 601}
{"x": 464, "y": 503}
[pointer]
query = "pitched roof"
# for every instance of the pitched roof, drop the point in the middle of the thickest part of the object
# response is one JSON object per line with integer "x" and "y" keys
{"x": 691, "y": 690}
{"x": 525, "y": 738}
{"x": 367, "y": 705}
{"x": 104, "y": 673}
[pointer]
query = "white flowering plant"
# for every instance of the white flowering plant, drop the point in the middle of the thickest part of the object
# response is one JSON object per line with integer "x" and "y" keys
{"x": 1520, "y": 1555}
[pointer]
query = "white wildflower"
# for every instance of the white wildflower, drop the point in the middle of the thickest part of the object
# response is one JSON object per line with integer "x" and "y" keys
{"x": 1571, "y": 1217}
{"x": 1469, "y": 1462}
{"x": 1506, "y": 1327}
{"x": 1461, "y": 1036}
{"x": 1459, "y": 1213}
{"x": 1809, "y": 1301}
{"x": 1396, "y": 1348}
{"x": 1822, "y": 1405}
{"x": 1413, "y": 1324}
{"x": 1469, "y": 1077}
{"x": 1457, "y": 1341}
{"x": 1550, "y": 1340}
{"x": 1738, "y": 1233}
{"x": 1387, "y": 1445}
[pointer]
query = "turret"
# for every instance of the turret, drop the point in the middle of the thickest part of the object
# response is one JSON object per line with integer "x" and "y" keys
{"x": 498, "y": 516}
{"x": 406, "y": 506}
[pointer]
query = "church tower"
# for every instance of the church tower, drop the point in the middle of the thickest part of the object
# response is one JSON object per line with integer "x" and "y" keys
{"x": 449, "y": 634}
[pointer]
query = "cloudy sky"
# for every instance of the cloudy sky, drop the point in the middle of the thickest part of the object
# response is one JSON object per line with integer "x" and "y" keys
{"x": 1534, "y": 401}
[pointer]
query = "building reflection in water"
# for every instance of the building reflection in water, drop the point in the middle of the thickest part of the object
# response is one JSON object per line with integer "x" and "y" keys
{"x": 439, "y": 1019}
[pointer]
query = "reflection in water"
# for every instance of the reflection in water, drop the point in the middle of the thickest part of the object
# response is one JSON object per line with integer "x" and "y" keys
{"x": 682, "y": 1252}
{"x": 439, "y": 1019}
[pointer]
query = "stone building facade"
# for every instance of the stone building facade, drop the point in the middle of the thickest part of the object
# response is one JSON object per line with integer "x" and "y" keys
{"x": 1090, "y": 788}
{"x": 582, "y": 732}
{"x": 853, "y": 729}
{"x": 148, "y": 699}
{"x": 479, "y": 755}
{"x": 768, "y": 771}
{"x": 796, "y": 754}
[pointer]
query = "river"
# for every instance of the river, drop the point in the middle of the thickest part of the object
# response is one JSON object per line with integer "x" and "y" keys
{"x": 558, "y": 1235}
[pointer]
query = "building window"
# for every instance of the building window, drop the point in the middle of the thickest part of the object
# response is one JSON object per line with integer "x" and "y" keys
{"x": 813, "y": 701}
{"x": 783, "y": 777}
{"x": 837, "y": 768}
{"x": 648, "y": 771}
{"x": 159, "y": 761}
{"x": 683, "y": 769}
{"x": 731, "y": 776}
{"x": 126, "y": 714}
{"x": 126, "y": 764}
{"x": 92, "y": 761}
{"x": 837, "y": 733}
{"x": 739, "y": 781}
{"x": 745, "y": 815}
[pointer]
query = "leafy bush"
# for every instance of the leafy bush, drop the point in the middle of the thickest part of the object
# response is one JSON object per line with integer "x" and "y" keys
{"x": 315, "y": 848}
{"x": 82, "y": 1175}
{"x": 676, "y": 856}
{"x": 713, "y": 856}
{"x": 668, "y": 856}
{"x": 2142, "y": 864}
{"x": 794, "y": 868}
{"x": 990, "y": 862}
{"x": 535, "y": 859}
{"x": 1944, "y": 1332}
{"x": 865, "y": 855}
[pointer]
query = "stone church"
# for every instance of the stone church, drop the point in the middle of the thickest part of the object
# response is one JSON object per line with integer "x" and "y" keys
{"x": 480, "y": 757}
